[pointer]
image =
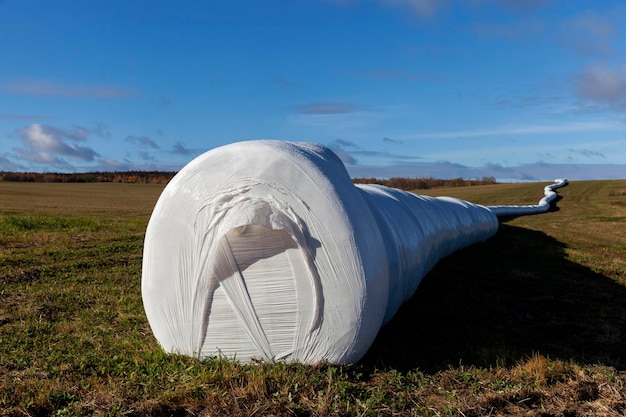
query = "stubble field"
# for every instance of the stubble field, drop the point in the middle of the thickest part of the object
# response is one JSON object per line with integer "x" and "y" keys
{"x": 531, "y": 322}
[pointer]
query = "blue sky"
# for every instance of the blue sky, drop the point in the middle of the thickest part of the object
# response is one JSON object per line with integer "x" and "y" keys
{"x": 515, "y": 89}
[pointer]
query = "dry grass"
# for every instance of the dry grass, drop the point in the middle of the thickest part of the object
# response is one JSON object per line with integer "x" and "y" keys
{"x": 530, "y": 323}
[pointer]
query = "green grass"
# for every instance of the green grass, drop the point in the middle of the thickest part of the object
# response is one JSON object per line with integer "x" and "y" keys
{"x": 530, "y": 322}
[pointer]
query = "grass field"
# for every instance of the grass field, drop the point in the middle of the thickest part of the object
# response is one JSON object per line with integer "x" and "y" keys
{"x": 531, "y": 322}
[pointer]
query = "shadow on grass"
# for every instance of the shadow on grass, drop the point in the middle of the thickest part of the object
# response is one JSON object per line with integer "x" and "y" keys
{"x": 504, "y": 300}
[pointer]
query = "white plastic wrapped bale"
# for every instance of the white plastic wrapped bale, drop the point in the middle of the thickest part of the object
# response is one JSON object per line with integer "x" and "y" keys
{"x": 419, "y": 231}
{"x": 266, "y": 250}
{"x": 549, "y": 195}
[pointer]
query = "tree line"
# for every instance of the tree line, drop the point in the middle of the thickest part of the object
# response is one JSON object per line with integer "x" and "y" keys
{"x": 410, "y": 184}
{"x": 141, "y": 177}
{"x": 163, "y": 177}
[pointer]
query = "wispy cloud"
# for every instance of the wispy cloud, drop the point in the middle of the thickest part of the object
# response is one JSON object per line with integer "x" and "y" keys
{"x": 603, "y": 85}
{"x": 421, "y": 8}
{"x": 525, "y": 3}
{"x": 399, "y": 75}
{"x": 538, "y": 171}
{"x": 328, "y": 108}
{"x": 110, "y": 164}
{"x": 142, "y": 141}
{"x": 165, "y": 101}
{"x": 350, "y": 153}
{"x": 519, "y": 130}
{"x": 102, "y": 131}
{"x": 589, "y": 34}
{"x": 587, "y": 153}
{"x": 180, "y": 149}
{"x": 345, "y": 143}
{"x": 523, "y": 29}
{"x": 394, "y": 141}
{"x": 8, "y": 165}
{"x": 342, "y": 2}
{"x": 333, "y": 118}
{"x": 429, "y": 9}
{"x": 285, "y": 84}
{"x": 338, "y": 148}
{"x": 516, "y": 5}
{"x": 425, "y": 9}
{"x": 76, "y": 133}
{"x": 52, "y": 88}
{"x": 5, "y": 116}
{"x": 387, "y": 155}
{"x": 145, "y": 156}
{"x": 526, "y": 101}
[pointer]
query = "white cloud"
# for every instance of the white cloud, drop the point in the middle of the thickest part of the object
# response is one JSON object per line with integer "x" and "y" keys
{"x": 36, "y": 137}
{"x": 48, "y": 145}
{"x": 40, "y": 157}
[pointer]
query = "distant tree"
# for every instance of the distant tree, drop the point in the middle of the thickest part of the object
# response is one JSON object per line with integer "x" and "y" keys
{"x": 146, "y": 177}
{"x": 410, "y": 184}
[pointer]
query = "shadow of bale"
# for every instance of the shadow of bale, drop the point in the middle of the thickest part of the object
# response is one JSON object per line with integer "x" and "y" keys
{"x": 553, "y": 204}
{"x": 504, "y": 300}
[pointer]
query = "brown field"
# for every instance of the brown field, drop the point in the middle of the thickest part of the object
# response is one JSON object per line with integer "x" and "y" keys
{"x": 529, "y": 323}
{"x": 79, "y": 198}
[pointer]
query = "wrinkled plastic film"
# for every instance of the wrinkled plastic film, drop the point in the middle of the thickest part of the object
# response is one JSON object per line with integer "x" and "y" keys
{"x": 266, "y": 250}
{"x": 262, "y": 250}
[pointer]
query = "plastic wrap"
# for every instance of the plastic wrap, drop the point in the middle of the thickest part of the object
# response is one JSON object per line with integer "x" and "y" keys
{"x": 541, "y": 207}
{"x": 266, "y": 250}
{"x": 420, "y": 230}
